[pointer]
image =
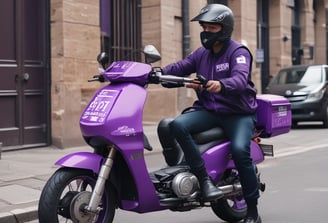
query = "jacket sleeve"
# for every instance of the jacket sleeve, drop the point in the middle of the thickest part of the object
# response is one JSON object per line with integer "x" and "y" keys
{"x": 240, "y": 73}
{"x": 182, "y": 68}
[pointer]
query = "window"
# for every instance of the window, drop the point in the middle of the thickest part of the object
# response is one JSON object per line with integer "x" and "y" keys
{"x": 313, "y": 75}
{"x": 297, "y": 52}
{"x": 121, "y": 29}
{"x": 263, "y": 40}
{"x": 223, "y": 2}
{"x": 303, "y": 75}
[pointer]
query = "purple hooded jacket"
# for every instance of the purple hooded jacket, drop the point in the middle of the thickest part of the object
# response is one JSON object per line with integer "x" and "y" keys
{"x": 232, "y": 67}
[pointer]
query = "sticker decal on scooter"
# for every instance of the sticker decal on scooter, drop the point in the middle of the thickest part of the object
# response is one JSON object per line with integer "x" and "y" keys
{"x": 119, "y": 68}
{"x": 124, "y": 131}
{"x": 99, "y": 108}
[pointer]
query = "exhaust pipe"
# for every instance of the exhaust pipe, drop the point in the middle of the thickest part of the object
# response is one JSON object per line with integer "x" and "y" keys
{"x": 231, "y": 188}
{"x": 228, "y": 190}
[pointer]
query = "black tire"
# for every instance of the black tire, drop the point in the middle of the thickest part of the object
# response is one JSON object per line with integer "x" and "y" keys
{"x": 325, "y": 120}
{"x": 59, "y": 191}
{"x": 231, "y": 209}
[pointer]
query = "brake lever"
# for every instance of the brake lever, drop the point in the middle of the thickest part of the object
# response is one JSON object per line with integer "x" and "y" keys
{"x": 99, "y": 78}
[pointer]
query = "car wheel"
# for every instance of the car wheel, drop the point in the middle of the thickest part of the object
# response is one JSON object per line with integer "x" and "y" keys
{"x": 325, "y": 119}
{"x": 294, "y": 124}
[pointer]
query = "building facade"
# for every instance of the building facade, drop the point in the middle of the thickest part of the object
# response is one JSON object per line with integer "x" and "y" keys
{"x": 279, "y": 33}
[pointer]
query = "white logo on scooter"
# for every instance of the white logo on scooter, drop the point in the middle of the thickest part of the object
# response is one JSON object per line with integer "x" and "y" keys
{"x": 124, "y": 130}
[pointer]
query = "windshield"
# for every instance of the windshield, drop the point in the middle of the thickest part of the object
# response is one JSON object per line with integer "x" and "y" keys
{"x": 301, "y": 75}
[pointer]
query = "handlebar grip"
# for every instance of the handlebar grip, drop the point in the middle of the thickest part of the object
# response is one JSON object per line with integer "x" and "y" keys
{"x": 154, "y": 75}
{"x": 99, "y": 78}
{"x": 202, "y": 80}
{"x": 153, "y": 78}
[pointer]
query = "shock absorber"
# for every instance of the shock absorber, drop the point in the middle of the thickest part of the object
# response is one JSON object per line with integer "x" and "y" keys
{"x": 99, "y": 188}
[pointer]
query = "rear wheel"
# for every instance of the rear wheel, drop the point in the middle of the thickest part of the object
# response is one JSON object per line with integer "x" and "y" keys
{"x": 232, "y": 209}
{"x": 66, "y": 194}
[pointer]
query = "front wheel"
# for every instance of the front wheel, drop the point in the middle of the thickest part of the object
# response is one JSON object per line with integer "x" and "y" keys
{"x": 325, "y": 119}
{"x": 67, "y": 192}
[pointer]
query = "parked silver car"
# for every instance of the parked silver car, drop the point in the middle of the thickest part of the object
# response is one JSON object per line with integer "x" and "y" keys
{"x": 306, "y": 87}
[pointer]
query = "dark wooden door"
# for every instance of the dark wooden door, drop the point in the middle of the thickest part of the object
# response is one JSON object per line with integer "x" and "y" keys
{"x": 24, "y": 74}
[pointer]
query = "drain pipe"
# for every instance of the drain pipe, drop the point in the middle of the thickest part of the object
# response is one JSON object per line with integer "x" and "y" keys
{"x": 185, "y": 28}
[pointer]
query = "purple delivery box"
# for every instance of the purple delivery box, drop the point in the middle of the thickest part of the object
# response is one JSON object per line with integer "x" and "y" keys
{"x": 273, "y": 115}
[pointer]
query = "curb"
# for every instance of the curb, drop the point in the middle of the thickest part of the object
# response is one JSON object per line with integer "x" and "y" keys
{"x": 19, "y": 215}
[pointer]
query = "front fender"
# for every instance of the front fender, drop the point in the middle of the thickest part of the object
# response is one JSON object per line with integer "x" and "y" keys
{"x": 82, "y": 160}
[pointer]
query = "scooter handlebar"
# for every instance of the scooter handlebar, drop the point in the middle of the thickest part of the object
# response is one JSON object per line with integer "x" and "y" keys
{"x": 170, "y": 81}
{"x": 99, "y": 78}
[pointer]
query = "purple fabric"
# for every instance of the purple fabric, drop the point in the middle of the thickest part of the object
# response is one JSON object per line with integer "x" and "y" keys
{"x": 232, "y": 67}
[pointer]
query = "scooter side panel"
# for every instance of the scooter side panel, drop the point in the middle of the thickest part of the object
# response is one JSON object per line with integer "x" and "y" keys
{"x": 256, "y": 153}
{"x": 216, "y": 160}
{"x": 123, "y": 127}
{"x": 82, "y": 160}
{"x": 219, "y": 158}
{"x": 147, "y": 198}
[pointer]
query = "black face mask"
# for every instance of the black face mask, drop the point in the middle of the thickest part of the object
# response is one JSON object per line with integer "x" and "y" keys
{"x": 208, "y": 39}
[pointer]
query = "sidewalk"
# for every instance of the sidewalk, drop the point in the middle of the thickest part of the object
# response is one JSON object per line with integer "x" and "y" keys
{"x": 23, "y": 174}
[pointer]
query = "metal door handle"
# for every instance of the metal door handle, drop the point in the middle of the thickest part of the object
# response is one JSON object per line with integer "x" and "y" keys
{"x": 26, "y": 76}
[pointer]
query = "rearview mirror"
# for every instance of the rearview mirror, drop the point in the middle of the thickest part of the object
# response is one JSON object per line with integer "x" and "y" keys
{"x": 103, "y": 59}
{"x": 151, "y": 54}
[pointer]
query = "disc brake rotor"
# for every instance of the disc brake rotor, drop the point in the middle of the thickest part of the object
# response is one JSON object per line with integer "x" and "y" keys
{"x": 77, "y": 208}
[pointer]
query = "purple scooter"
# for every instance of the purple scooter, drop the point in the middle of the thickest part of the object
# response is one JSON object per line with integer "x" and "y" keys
{"x": 90, "y": 186}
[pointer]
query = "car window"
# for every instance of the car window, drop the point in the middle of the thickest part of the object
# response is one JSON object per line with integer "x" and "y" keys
{"x": 289, "y": 76}
{"x": 313, "y": 75}
{"x": 299, "y": 75}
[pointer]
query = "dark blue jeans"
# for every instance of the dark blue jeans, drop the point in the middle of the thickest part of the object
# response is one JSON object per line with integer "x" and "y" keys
{"x": 238, "y": 128}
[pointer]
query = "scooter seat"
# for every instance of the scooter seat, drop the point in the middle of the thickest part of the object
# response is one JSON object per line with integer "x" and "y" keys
{"x": 171, "y": 149}
{"x": 213, "y": 134}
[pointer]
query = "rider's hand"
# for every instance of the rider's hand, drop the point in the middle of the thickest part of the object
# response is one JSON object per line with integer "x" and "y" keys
{"x": 213, "y": 86}
{"x": 194, "y": 86}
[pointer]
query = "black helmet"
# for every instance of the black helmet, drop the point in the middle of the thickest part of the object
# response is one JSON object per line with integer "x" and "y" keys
{"x": 220, "y": 14}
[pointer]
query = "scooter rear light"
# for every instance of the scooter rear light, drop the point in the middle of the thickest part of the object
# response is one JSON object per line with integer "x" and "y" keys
{"x": 257, "y": 140}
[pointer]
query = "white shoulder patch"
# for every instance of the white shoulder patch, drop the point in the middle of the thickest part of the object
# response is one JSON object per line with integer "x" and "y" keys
{"x": 241, "y": 59}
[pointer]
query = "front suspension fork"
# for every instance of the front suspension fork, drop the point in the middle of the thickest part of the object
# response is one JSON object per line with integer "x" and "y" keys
{"x": 99, "y": 189}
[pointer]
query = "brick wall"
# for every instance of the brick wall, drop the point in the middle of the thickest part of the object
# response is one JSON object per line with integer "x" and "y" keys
{"x": 75, "y": 43}
{"x": 320, "y": 46}
{"x": 162, "y": 27}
